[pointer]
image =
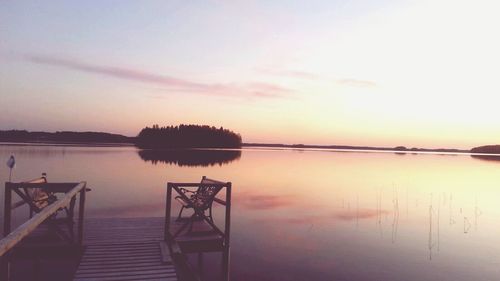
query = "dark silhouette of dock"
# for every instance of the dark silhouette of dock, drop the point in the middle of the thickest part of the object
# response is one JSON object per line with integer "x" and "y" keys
{"x": 103, "y": 248}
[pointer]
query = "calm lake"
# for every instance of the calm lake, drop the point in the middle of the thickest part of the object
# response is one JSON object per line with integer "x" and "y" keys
{"x": 307, "y": 214}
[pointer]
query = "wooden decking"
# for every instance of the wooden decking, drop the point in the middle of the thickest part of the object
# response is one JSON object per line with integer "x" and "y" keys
{"x": 118, "y": 249}
{"x": 125, "y": 249}
{"x": 106, "y": 248}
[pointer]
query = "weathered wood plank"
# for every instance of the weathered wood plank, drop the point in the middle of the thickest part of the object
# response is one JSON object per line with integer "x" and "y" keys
{"x": 99, "y": 267}
{"x": 121, "y": 252}
{"x": 88, "y": 259}
{"x": 125, "y": 268}
{"x": 153, "y": 259}
{"x": 139, "y": 262}
{"x": 132, "y": 278}
{"x": 124, "y": 246}
{"x": 52, "y": 187}
{"x": 163, "y": 271}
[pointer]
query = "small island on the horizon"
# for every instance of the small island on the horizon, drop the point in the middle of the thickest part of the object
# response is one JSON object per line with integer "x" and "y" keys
{"x": 195, "y": 136}
{"x": 187, "y": 136}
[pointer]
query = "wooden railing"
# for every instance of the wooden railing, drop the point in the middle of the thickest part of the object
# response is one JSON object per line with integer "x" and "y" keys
{"x": 11, "y": 239}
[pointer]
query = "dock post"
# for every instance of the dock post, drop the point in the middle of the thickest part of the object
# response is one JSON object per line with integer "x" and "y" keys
{"x": 7, "y": 209}
{"x": 167, "y": 211}
{"x": 227, "y": 232}
{"x": 81, "y": 209}
{"x": 4, "y": 267}
{"x": 4, "y": 262}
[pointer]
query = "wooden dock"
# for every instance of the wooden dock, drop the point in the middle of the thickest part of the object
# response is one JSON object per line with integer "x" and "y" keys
{"x": 118, "y": 249}
{"x": 107, "y": 248}
{"x": 125, "y": 249}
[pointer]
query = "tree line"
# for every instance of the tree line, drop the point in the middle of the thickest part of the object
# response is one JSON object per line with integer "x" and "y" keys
{"x": 62, "y": 137}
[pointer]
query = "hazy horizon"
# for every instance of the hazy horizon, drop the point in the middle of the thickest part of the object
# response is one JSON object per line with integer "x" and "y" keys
{"x": 413, "y": 73}
{"x": 289, "y": 143}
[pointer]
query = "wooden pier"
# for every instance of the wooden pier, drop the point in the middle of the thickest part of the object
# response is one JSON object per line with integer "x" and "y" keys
{"x": 107, "y": 248}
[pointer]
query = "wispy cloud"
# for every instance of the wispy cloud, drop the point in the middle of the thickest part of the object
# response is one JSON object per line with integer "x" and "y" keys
{"x": 356, "y": 83}
{"x": 245, "y": 90}
{"x": 287, "y": 73}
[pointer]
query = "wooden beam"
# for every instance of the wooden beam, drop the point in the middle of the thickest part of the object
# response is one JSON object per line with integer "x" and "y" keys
{"x": 50, "y": 187}
{"x": 81, "y": 210}
{"x": 166, "y": 234}
{"x": 28, "y": 200}
{"x": 4, "y": 263}
{"x": 26, "y": 228}
{"x": 220, "y": 201}
{"x": 227, "y": 232}
{"x": 7, "y": 209}
{"x": 197, "y": 184}
{"x": 227, "y": 227}
{"x": 17, "y": 204}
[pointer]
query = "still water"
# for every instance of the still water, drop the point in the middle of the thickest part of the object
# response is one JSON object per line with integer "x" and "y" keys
{"x": 307, "y": 214}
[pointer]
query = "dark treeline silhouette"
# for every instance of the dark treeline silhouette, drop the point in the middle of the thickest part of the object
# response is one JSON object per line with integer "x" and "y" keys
{"x": 493, "y": 149}
{"x": 487, "y": 149}
{"x": 190, "y": 157}
{"x": 63, "y": 137}
{"x": 187, "y": 136}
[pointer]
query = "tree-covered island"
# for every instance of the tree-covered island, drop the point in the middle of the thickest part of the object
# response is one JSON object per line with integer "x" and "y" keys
{"x": 187, "y": 136}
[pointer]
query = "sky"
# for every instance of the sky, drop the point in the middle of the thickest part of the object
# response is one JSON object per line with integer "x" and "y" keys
{"x": 380, "y": 73}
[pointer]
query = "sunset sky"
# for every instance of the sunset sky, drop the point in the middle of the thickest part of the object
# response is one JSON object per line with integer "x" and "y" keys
{"x": 382, "y": 73}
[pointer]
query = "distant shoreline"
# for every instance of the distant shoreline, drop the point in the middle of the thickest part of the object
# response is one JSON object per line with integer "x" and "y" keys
{"x": 397, "y": 149}
{"x": 52, "y": 143}
{"x": 339, "y": 148}
{"x": 247, "y": 145}
{"x": 101, "y": 139}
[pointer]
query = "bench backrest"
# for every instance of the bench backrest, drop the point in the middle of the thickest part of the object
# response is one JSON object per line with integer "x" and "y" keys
{"x": 207, "y": 191}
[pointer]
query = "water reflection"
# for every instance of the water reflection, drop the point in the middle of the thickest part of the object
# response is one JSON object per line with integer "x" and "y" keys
{"x": 255, "y": 201}
{"x": 309, "y": 215}
{"x": 486, "y": 157}
{"x": 190, "y": 157}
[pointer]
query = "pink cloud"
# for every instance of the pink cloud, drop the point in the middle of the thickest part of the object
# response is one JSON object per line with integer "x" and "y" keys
{"x": 248, "y": 90}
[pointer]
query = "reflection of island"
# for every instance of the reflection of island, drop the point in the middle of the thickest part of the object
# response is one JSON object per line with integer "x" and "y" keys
{"x": 190, "y": 157}
{"x": 487, "y": 157}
